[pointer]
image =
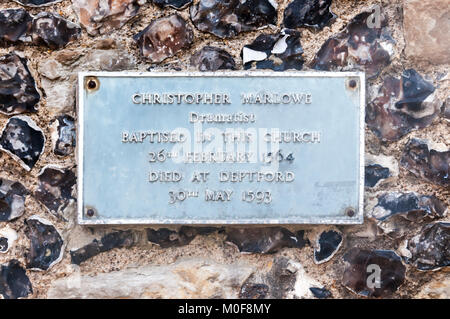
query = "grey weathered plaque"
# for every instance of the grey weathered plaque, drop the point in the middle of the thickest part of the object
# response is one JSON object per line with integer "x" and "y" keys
{"x": 220, "y": 148}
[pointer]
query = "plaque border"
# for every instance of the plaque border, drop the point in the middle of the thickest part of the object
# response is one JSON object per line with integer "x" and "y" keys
{"x": 357, "y": 219}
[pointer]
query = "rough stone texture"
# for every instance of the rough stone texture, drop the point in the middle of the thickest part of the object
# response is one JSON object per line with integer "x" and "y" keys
{"x": 55, "y": 188}
{"x": 227, "y": 19}
{"x": 361, "y": 46}
{"x": 427, "y": 25}
{"x": 213, "y": 59}
{"x": 18, "y": 92}
{"x": 14, "y": 26}
{"x": 278, "y": 52}
{"x": 12, "y": 199}
{"x": 426, "y": 163}
{"x": 102, "y": 16}
{"x": 358, "y": 273}
{"x": 164, "y": 37}
{"x": 14, "y": 282}
{"x": 396, "y": 213}
{"x": 37, "y": 3}
{"x": 23, "y": 140}
{"x": 429, "y": 249}
{"x": 279, "y": 268}
{"x": 53, "y": 30}
{"x": 187, "y": 278}
{"x": 402, "y": 106}
{"x": 311, "y": 13}
{"x": 46, "y": 244}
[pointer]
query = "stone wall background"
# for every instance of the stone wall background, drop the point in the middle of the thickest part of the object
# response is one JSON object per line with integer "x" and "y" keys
{"x": 229, "y": 262}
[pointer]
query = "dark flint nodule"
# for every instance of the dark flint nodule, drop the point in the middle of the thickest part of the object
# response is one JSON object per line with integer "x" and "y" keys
{"x": 328, "y": 244}
{"x": 399, "y": 107}
{"x": 170, "y": 238}
{"x": 430, "y": 248}
{"x": 309, "y": 13}
{"x": 37, "y": 3}
{"x": 18, "y": 93}
{"x": 100, "y": 17}
{"x": 22, "y": 138}
{"x": 362, "y": 268}
{"x": 3, "y": 244}
{"x": 227, "y": 19}
{"x": 53, "y": 30}
{"x": 176, "y": 4}
{"x": 12, "y": 199}
{"x": 374, "y": 173}
{"x": 55, "y": 188}
{"x": 212, "y": 59}
{"x": 164, "y": 37}
{"x": 14, "y": 282}
{"x": 66, "y": 135}
{"x": 14, "y": 26}
{"x": 396, "y": 213}
{"x": 45, "y": 244}
{"x": 253, "y": 291}
{"x": 358, "y": 47}
{"x": 428, "y": 164}
{"x": 320, "y": 293}
{"x": 278, "y": 52}
{"x": 264, "y": 240}
{"x": 119, "y": 239}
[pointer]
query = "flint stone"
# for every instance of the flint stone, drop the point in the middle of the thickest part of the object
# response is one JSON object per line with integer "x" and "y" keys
{"x": 169, "y": 238}
{"x": 265, "y": 240}
{"x": 18, "y": 93}
{"x": 226, "y": 19}
{"x": 164, "y": 37}
{"x": 14, "y": 282}
{"x": 46, "y": 244}
{"x": 327, "y": 245}
{"x": 12, "y": 199}
{"x": 361, "y": 267}
{"x": 402, "y": 106}
{"x": 320, "y": 293}
{"x": 15, "y": 25}
{"x": 175, "y": 4}
{"x": 360, "y": 46}
{"x": 310, "y": 13}
{"x": 185, "y": 279}
{"x": 374, "y": 173}
{"x": 53, "y": 30}
{"x": 37, "y": 3}
{"x": 426, "y": 25}
{"x": 23, "y": 140}
{"x": 253, "y": 291}
{"x": 288, "y": 279}
{"x": 119, "y": 239}
{"x": 212, "y": 59}
{"x": 55, "y": 188}
{"x": 396, "y": 213}
{"x": 429, "y": 164}
{"x": 430, "y": 248}
{"x": 278, "y": 52}
{"x": 63, "y": 135}
{"x": 7, "y": 238}
{"x": 103, "y": 16}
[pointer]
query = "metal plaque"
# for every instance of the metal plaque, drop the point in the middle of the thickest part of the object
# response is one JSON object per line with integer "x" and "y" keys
{"x": 220, "y": 148}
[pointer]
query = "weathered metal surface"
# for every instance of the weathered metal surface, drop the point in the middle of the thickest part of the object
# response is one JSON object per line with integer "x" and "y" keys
{"x": 323, "y": 113}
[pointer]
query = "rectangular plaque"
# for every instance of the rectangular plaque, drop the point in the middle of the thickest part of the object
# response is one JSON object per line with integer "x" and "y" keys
{"x": 220, "y": 148}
